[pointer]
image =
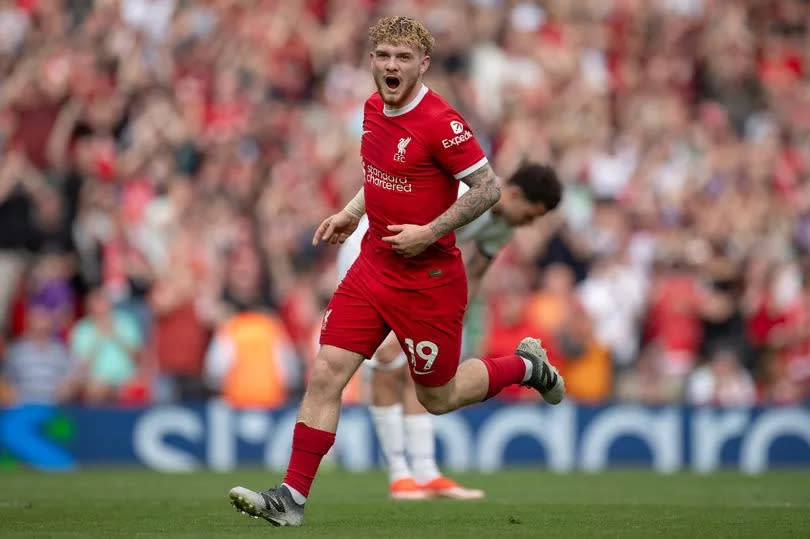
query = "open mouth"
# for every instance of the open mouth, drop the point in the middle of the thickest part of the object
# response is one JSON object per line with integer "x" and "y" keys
{"x": 392, "y": 82}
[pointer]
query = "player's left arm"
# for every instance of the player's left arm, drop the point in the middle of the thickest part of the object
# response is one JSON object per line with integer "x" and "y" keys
{"x": 411, "y": 240}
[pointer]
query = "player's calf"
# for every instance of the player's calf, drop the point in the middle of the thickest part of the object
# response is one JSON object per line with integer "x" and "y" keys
{"x": 480, "y": 379}
{"x": 469, "y": 386}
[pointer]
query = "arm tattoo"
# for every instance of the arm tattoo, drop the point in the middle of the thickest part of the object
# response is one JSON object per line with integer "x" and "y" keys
{"x": 483, "y": 193}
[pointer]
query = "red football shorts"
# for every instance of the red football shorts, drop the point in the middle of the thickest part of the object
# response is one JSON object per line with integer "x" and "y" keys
{"x": 427, "y": 323}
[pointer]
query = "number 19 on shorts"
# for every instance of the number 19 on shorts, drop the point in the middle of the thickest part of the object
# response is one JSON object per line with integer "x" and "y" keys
{"x": 427, "y": 351}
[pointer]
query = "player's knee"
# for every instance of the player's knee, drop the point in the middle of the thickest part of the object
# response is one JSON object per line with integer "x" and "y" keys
{"x": 384, "y": 360}
{"x": 388, "y": 362}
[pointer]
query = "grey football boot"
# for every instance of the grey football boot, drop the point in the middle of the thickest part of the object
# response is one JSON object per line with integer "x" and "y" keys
{"x": 275, "y": 505}
{"x": 545, "y": 377}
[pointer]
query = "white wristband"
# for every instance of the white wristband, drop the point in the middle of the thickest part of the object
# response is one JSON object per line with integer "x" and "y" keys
{"x": 357, "y": 205}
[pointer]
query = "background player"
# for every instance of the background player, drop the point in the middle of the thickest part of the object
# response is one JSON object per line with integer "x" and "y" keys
{"x": 401, "y": 422}
{"x": 409, "y": 277}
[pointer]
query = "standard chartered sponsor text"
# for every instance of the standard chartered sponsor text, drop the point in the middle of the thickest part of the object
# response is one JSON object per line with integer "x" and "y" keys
{"x": 387, "y": 181}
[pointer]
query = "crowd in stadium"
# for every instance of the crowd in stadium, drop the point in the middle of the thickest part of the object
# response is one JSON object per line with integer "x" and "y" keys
{"x": 163, "y": 164}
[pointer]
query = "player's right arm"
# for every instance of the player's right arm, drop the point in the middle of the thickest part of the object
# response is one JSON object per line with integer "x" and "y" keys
{"x": 336, "y": 228}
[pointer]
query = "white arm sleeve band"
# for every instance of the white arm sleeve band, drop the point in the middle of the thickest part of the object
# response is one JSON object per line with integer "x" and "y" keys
{"x": 357, "y": 205}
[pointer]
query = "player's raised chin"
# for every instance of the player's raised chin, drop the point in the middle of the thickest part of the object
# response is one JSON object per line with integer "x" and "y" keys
{"x": 397, "y": 71}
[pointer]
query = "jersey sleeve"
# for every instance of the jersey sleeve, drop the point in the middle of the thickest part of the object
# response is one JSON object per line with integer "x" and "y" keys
{"x": 489, "y": 233}
{"x": 454, "y": 146}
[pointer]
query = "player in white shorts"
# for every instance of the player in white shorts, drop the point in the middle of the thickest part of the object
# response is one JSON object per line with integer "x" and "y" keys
{"x": 401, "y": 422}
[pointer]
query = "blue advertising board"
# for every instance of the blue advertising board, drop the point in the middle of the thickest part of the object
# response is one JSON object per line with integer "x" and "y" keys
{"x": 486, "y": 437}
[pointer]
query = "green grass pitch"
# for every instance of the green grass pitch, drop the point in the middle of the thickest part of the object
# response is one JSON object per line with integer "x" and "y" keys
{"x": 520, "y": 503}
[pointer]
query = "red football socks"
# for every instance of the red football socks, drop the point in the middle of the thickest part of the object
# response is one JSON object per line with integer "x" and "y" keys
{"x": 308, "y": 448}
{"x": 503, "y": 372}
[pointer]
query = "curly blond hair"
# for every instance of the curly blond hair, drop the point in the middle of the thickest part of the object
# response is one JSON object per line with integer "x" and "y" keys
{"x": 401, "y": 31}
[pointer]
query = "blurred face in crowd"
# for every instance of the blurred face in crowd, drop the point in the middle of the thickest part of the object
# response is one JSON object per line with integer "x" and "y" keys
{"x": 724, "y": 364}
{"x": 40, "y": 322}
{"x": 517, "y": 209}
{"x": 244, "y": 272}
{"x": 98, "y": 306}
{"x": 558, "y": 279}
{"x": 49, "y": 208}
{"x": 397, "y": 71}
{"x": 512, "y": 308}
{"x": 181, "y": 194}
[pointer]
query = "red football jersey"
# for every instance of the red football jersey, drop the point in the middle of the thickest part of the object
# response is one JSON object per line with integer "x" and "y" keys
{"x": 413, "y": 159}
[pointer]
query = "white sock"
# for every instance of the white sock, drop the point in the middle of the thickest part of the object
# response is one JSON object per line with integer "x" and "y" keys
{"x": 299, "y": 498}
{"x": 391, "y": 433}
{"x": 528, "y": 369}
{"x": 421, "y": 447}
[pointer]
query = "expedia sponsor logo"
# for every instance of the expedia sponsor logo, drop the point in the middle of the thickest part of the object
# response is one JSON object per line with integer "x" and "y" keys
{"x": 458, "y": 139}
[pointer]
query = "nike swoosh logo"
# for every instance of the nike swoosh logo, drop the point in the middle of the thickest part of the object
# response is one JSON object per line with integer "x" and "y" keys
{"x": 365, "y": 131}
{"x": 270, "y": 501}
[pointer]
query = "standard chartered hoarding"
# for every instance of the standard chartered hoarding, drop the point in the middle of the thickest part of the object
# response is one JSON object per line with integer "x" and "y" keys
{"x": 561, "y": 438}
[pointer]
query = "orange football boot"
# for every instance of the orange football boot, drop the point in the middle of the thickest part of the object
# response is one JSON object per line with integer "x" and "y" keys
{"x": 444, "y": 487}
{"x": 407, "y": 489}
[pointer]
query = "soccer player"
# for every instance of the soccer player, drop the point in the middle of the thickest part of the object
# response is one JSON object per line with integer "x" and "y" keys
{"x": 409, "y": 277}
{"x": 400, "y": 420}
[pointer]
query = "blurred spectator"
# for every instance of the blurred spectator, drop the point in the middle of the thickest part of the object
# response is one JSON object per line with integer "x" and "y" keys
{"x": 550, "y": 306}
{"x": 649, "y": 381}
{"x": 152, "y": 17}
{"x": 777, "y": 385}
{"x": 673, "y": 321}
{"x": 586, "y": 364}
{"x": 722, "y": 310}
{"x": 37, "y": 366}
{"x": 721, "y": 382}
{"x": 180, "y": 335}
{"x": 106, "y": 343}
{"x": 613, "y": 296}
{"x": 252, "y": 363}
{"x": 507, "y": 323}
{"x": 50, "y": 288}
{"x": 246, "y": 285}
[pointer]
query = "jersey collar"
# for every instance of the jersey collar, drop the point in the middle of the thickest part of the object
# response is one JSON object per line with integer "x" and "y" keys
{"x": 390, "y": 112}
